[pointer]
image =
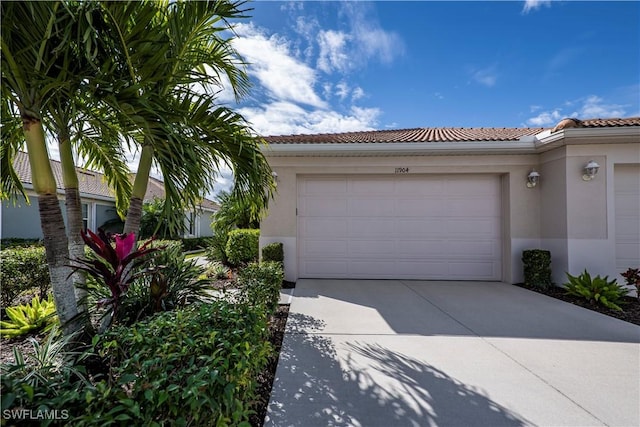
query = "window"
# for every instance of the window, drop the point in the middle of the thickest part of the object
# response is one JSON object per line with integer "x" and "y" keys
{"x": 85, "y": 216}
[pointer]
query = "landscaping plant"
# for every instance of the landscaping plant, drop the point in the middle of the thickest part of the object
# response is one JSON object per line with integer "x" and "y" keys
{"x": 260, "y": 284}
{"x": 193, "y": 366}
{"x": 113, "y": 265}
{"x": 21, "y": 269}
{"x": 171, "y": 282}
{"x": 596, "y": 290}
{"x": 537, "y": 268}
{"x": 242, "y": 246}
{"x": 28, "y": 318}
{"x": 273, "y": 252}
{"x": 632, "y": 278}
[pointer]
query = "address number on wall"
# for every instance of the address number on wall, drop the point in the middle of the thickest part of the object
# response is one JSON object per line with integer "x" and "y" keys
{"x": 402, "y": 170}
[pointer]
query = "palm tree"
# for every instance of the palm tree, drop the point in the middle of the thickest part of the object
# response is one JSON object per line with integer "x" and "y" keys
{"x": 29, "y": 56}
{"x": 163, "y": 52}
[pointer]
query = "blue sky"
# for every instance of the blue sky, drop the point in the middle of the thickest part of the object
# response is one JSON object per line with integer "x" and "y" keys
{"x": 345, "y": 66}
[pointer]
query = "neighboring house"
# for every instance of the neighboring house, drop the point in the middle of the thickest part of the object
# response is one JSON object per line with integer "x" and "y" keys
{"x": 457, "y": 203}
{"x": 197, "y": 223}
{"x": 22, "y": 220}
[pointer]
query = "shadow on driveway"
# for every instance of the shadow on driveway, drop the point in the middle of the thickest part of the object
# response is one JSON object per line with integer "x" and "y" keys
{"x": 394, "y": 390}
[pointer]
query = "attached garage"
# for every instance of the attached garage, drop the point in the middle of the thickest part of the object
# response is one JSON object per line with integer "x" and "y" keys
{"x": 430, "y": 227}
{"x": 456, "y": 203}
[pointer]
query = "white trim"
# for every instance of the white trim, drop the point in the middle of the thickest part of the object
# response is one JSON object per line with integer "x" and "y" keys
{"x": 403, "y": 148}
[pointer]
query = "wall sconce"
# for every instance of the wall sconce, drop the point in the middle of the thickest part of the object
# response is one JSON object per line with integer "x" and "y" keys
{"x": 275, "y": 178}
{"x": 532, "y": 179}
{"x": 590, "y": 170}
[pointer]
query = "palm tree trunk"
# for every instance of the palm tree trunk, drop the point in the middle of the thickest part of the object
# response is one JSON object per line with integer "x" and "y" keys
{"x": 53, "y": 228}
{"x": 73, "y": 206}
{"x": 134, "y": 214}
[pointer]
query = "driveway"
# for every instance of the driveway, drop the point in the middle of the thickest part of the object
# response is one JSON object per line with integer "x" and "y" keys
{"x": 410, "y": 353}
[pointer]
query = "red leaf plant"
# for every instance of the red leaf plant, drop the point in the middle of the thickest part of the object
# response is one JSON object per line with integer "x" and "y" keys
{"x": 113, "y": 264}
{"x": 632, "y": 278}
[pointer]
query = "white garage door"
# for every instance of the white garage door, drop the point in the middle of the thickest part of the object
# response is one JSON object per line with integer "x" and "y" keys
{"x": 627, "y": 207}
{"x": 400, "y": 227}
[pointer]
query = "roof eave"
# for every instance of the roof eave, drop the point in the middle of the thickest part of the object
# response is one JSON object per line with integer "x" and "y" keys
{"x": 572, "y": 136}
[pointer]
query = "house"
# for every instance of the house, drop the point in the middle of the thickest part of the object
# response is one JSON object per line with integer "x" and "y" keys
{"x": 457, "y": 203}
{"x": 22, "y": 220}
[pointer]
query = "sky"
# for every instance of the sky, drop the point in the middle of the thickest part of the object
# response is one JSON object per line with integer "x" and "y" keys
{"x": 325, "y": 67}
{"x": 341, "y": 66}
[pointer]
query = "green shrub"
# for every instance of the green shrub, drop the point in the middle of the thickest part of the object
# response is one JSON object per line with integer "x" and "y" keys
{"x": 273, "y": 252}
{"x": 217, "y": 250}
{"x": 537, "y": 268}
{"x": 14, "y": 242}
{"x": 596, "y": 290}
{"x": 260, "y": 284}
{"x": 22, "y": 269}
{"x": 195, "y": 243}
{"x": 29, "y": 318}
{"x": 196, "y": 366}
{"x": 242, "y": 246}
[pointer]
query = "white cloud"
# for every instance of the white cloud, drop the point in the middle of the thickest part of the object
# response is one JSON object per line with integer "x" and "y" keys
{"x": 357, "y": 93}
{"x": 589, "y": 107}
{"x": 277, "y": 70}
{"x": 486, "y": 77}
{"x": 333, "y": 51}
{"x": 546, "y": 118}
{"x": 283, "y": 118}
{"x": 530, "y": 5}
{"x": 594, "y": 107}
{"x": 342, "y": 90}
{"x": 361, "y": 41}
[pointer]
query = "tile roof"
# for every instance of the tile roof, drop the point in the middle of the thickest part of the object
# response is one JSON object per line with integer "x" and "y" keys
{"x": 436, "y": 134}
{"x": 91, "y": 182}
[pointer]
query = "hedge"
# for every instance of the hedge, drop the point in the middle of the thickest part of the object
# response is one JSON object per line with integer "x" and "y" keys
{"x": 22, "y": 269}
{"x": 537, "y": 268}
{"x": 243, "y": 246}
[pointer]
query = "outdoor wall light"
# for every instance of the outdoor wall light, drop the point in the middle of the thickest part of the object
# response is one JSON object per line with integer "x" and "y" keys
{"x": 590, "y": 170}
{"x": 275, "y": 178}
{"x": 532, "y": 179}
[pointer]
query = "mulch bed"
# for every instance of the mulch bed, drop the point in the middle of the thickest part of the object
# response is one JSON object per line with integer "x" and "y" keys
{"x": 265, "y": 380}
{"x": 630, "y": 307}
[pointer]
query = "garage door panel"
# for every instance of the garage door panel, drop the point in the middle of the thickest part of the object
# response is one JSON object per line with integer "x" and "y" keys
{"x": 313, "y": 248}
{"x": 368, "y": 207}
{"x": 472, "y": 249}
{"x": 420, "y": 228}
{"x": 472, "y": 207}
{"x": 368, "y": 187}
{"x": 329, "y": 269}
{"x": 320, "y": 227}
{"x": 323, "y": 208}
{"x": 419, "y": 187}
{"x": 371, "y": 227}
{"x": 472, "y": 269}
{"x": 421, "y": 249}
{"x": 418, "y": 208}
{"x": 367, "y": 248}
{"x": 413, "y": 227}
{"x": 328, "y": 187}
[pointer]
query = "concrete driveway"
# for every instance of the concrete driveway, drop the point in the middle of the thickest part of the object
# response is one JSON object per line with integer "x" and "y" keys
{"x": 409, "y": 353}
